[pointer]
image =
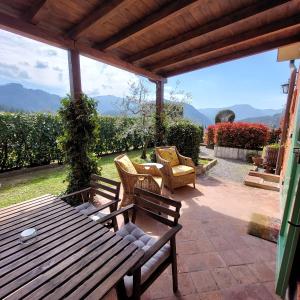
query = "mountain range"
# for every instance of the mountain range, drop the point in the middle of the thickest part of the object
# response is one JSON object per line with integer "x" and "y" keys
{"x": 14, "y": 96}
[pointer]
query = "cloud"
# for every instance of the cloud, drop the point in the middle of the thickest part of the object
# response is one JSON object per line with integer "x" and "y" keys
{"x": 41, "y": 65}
{"x": 47, "y": 68}
{"x": 11, "y": 71}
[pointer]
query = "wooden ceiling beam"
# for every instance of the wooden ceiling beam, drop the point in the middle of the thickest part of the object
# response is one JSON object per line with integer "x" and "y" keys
{"x": 252, "y": 34}
{"x": 33, "y": 10}
{"x": 29, "y": 30}
{"x": 96, "y": 15}
{"x": 226, "y": 20}
{"x": 170, "y": 10}
{"x": 232, "y": 56}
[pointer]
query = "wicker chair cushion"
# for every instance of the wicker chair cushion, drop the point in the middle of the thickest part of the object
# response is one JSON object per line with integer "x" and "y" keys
{"x": 182, "y": 170}
{"x": 170, "y": 155}
{"x": 158, "y": 180}
{"x": 127, "y": 165}
{"x": 134, "y": 234}
{"x": 87, "y": 207}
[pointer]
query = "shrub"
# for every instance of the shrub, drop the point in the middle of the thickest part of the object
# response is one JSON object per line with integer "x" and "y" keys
{"x": 210, "y": 136}
{"x": 186, "y": 136}
{"x": 274, "y": 135}
{"x": 241, "y": 135}
{"x": 28, "y": 139}
{"x": 80, "y": 133}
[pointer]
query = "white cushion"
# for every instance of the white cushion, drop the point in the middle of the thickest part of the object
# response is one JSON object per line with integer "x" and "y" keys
{"x": 137, "y": 236}
{"x": 87, "y": 208}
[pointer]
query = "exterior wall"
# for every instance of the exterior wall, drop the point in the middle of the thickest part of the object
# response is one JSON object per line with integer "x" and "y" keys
{"x": 294, "y": 105}
{"x": 233, "y": 153}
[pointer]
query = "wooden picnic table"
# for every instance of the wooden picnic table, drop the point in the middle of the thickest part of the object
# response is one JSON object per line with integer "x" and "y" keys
{"x": 72, "y": 256}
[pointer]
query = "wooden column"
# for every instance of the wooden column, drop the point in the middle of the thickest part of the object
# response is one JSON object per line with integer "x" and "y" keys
{"x": 159, "y": 110}
{"x": 286, "y": 119}
{"x": 74, "y": 74}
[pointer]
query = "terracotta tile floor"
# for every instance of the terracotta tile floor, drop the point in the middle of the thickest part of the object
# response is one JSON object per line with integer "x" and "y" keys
{"x": 217, "y": 259}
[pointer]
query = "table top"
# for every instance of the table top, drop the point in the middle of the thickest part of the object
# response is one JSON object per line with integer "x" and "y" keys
{"x": 157, "y": 165}
{"x": 72, "y": 256}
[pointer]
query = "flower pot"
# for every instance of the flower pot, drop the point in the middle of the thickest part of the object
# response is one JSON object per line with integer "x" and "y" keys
{"x": 257, "y": 160}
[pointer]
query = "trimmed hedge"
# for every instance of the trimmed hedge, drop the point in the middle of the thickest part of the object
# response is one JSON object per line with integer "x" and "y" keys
{"x": 28, "y": 140}
{"x": 241, "y": 135}
{"x": 187, "y": 137}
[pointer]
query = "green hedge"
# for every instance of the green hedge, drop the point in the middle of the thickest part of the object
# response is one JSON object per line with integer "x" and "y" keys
{"x": 187, "y": 137}
{"x": 28, "y": 140}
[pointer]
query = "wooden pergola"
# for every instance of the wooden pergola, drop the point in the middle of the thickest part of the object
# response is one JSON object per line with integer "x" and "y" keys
{"x": 154, "y": 38}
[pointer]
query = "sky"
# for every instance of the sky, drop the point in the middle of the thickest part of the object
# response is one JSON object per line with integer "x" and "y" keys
{"x": 255, "y": 80}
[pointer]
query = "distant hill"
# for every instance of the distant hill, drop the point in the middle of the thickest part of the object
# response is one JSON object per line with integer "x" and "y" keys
{"x": 15, "y": 96}
{"x": 271, "y": 121}
{"x": 242, "y": 111}
{"x": 192, "y": 114}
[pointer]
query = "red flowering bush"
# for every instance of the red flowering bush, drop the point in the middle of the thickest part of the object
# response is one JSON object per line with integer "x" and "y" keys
{"x": 210, "y": 135}
{"x": 241, "y": 135}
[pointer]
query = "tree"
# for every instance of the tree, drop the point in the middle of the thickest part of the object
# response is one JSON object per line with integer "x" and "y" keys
{"x": 225, "y": 115}
{"x": 138, "y": 103}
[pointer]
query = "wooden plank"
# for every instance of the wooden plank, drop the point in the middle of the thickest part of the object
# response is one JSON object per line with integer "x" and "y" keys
{"x": 221, "y": 22}
{"x": 161, "y": 15}
{"x": 25, "y": 222}
{"x": 110, "y": 281}
{"x": 45, "y": 235}
{"x": 34, "y": 250}
{"x": 34, "y": 32}
{"x": 104, "y": 8}
{"x": 39, "y": 224}
{"x": 97, "y": 185}
{"x": 105, "y": 195}
{"x": 54, "y": 266}
{"x": 280, "y": 25}
{"x": 16, "y": 207}
{"x": 236, "y": 55}
{"x": 33, "y": 10}
{"x": 115, "y": 61}
{"x": 42, "y": 228}
{"x": 108, "y": 263}
{"x": 67, "y": 269}
{"x": 31, "y": 213}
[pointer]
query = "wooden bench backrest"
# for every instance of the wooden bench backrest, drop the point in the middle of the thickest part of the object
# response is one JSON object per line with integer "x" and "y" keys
{"x": 159, "y": 207}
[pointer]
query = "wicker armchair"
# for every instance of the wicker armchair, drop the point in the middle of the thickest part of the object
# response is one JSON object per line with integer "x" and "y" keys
{"x": 134, "y": 175}
{"x": 178, "y": 170}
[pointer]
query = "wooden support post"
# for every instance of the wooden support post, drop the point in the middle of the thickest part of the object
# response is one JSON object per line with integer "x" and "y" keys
{"x": 286, "y": 119}
{"x": 159, "y": 134}
{"x": 74, "y": 74}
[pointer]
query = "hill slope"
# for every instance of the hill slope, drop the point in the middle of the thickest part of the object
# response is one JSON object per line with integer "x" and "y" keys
{"x": 242, "y": 111}
{"x": 271, "y": 121}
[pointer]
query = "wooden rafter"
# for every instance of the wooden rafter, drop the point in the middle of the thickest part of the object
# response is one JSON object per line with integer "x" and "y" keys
{"x": 280, "y": 25}
{"x": 97, "y": 14}
{"x": 229, "y": 19}
{"x": 34, "y": 32}
{"x": 172, "y": 9}
{"x": 232, "y": 56}
{"x": 33, "y": 10}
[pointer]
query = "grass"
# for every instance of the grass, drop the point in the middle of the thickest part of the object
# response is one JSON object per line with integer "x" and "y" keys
{"x": 204, "y": 161}
{"x": 52, "y": 181}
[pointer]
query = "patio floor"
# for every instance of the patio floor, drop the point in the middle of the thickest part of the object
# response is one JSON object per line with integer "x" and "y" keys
{"x": 217, "y": 259}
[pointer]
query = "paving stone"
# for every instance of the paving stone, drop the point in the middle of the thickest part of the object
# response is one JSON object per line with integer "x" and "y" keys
{"x": 223, "y": 277}
{"x": 216, "y": 295}
{"x": 242, "y": 274}
{"x": 204, "y": 281}
{"x": 230, "y": 257}
{"x": 262, "y": 272}
{"x": 220, "y": 243}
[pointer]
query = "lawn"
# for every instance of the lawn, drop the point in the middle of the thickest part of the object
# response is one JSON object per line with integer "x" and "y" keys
{"x": 52, "y": 181}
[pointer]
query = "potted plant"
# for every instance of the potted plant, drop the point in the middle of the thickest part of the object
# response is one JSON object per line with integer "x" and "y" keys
{"x": 270, "y": 154}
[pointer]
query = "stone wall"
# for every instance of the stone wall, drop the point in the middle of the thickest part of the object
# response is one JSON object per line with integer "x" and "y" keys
{"x": 234, "y": 153}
